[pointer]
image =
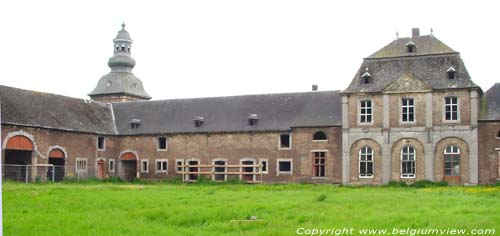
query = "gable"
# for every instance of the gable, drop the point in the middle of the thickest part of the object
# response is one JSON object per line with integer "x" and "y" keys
{"x": 407, "y": 83}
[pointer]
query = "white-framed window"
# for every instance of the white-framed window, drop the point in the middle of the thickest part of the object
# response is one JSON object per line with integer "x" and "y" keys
{"x": 320, "y": 136}
{"x": 101, "y": 143}
{"x": 219, "y": 170}
{"x": 366, "y": 162}
{"x": 319, "y": 164}
{"x": 144, "y": 166}
{"x": 162, "y": 144}
{"x": 407, "y": 110}
{"x": 365, "y": 112}
{"x": 408, "y": 162}
{"x": 452, "y": 161}
{"x": 285, "y": 141}
{"x": 178, "y": 165}
{"x": 81, "y": 165}
{"x": 284, "y": 166}
{"x": 161, "y": 165}
{"x": 451, "y": 109}
{"x": 264, "y": 166}
{"x": 111, "y": 165}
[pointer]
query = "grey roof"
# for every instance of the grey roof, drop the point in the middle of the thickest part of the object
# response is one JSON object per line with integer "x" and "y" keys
{"x": 276, "y": 112}
{"x": 425, "y": 45}
{"x": 429, "y": 64}
{"x": 492, "y": 109}
{"x": 120, "y": 83}
{"x": 30, "y": 108}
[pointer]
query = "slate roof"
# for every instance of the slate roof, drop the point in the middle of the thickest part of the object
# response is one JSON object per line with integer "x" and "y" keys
{"x": 120, "y": 83}
{"x": 30, "y": 108}
{"x": 492, "y": 97}
{"x": 276, "y": 112}
{"x": 429, "y": 64}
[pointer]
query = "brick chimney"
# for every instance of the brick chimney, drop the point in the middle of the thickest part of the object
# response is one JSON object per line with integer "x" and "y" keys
{"x": 315, "y": 87}
{"x": 415, "y": 32}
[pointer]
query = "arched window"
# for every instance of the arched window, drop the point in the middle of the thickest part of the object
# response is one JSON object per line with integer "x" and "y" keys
{"x": 366, "y": 162}
{"x": 452, "y": 161}
{"x": 320, "y": 135}
{"x": 408, "y": 163}
{"x": 498, "y": 134}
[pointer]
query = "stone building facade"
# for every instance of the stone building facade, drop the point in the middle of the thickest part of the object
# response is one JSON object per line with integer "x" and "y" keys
{"x": 411, "y": 113}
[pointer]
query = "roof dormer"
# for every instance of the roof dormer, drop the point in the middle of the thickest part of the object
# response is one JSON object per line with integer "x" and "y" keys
{"x": 410, "y": 47}
{"x": 451, "y": 72}
{"x": 198, "y": 121}
{"x": 366, "y": 78}
{"x": 253, "y": 119}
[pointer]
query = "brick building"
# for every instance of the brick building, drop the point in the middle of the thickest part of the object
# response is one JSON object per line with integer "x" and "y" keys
{"x": 411, "y": 113}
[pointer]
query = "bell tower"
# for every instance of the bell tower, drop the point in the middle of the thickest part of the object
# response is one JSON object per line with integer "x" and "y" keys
{"x": 120, "y": 85}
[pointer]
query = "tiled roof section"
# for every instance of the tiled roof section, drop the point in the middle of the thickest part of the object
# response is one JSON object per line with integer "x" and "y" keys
{"x": 432, "y": 70}
{"x": 492, "y": 103}
{"x": 120, "y": 83}
{"x": 425, "y": 45}
{"x": 276, "y": 112}
{"x": 37, "y": 109}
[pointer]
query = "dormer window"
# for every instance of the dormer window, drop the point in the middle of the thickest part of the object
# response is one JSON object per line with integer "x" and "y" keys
{"x": 117, "y": 48}
{"x": 135, "y": 123}
{"x": 198, "y": 121}
{"x": 366, "y": 78}
{"x": 410, "y": 47}
{"x": 451, "y": 73}
{"x": 108, "y": 83}
{"x": 252, "y": 119}
{"x": 134, "y": 85}
{"x": 123, "y": 48}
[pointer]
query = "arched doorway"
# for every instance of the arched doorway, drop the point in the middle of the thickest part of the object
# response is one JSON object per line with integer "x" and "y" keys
{"x": 58, "y": 159}
{"x": 18, "y": 155}
{"x": 128, "y": 166}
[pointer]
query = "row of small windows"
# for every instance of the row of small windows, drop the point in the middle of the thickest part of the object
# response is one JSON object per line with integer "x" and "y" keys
{"x": 366, "y": 78}
{"x": 408, "y": 162}
{"x": 122, "y": 48}
{"x": 451, "y": 110}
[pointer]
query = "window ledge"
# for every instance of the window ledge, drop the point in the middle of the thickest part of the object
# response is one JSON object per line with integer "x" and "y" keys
{"x": 161, "y": 150}
{"x": 285, "y": 148}
{"x": 408, "y": 177}
{"x": 320, "y": 178}
{"x": 320, "y": 141}
{"x": 284, "y": 173}
{"x": 366, "y": 177}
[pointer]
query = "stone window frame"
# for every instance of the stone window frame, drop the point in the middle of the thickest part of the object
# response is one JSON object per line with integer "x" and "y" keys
{"x": 458, "y": 152}
{"x": 79, "y": 161}
{"x": 366, "y": 115}
{"x": 225, "y": 168}
{"x": 313, "y": 152}
{"x": 372, "y": 161}
{"x": 147, "y": 165}
{"x": 320, "y": 140}
{"x": 111, "y": 165}
{"x": 278, "y": 172}
{"x": 289, "y": 141}
{"x": 161, "y": 170}
{"x": 402, "y": 106}
{"x": 444, "y": 109}
{"x": 158, "y": 144}
{"x": 402, "y": 153}
{"x": 177, "y": 166}
{"x": 254, "y": 177}
{"x": 103, "y": 143}
{"x": 267, "y": 165}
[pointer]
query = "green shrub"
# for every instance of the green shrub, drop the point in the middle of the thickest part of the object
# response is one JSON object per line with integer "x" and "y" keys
{"x": 321, "y": 198}
{"x": 428, "y": 183}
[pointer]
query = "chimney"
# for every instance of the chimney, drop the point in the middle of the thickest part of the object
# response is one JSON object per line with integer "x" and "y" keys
{"x": 415, "y": 32}
{"x": 315, "y": 87}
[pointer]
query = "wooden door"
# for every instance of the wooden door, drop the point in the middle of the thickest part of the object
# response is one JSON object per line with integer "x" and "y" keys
{"x": 100, "y": 169}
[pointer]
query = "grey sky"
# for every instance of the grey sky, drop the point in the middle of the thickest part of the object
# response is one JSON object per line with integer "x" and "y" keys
{"x": 218, "y": 48}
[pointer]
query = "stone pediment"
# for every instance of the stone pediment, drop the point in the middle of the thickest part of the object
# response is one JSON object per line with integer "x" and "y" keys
{"x": 407, "y": 83}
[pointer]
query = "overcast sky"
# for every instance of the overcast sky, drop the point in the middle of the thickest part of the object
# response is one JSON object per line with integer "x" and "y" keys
{"x": 218, "y": 48}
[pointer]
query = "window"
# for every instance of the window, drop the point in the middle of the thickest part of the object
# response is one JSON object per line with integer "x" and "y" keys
{"x": 263, "y": 166}
{"x": 319, "y": 169}
{"x": 285, "y": 142}
{"x": 451, "y": 73}
{"x": 135, "y": 123}
{"x": 111, "y": 165}
{"x": 100, "y": 143}
{"x": 408, "y": 162}
{"x": 366, "y": 162}
{"x": 253, "y": 119}
{"x": 498, "y": 134}
{"x": 134, "y": 85}
{"x": 319, "y": 136}
{"x": 452, "y": 161}
{"x": 108, "y": 83}
{"x": 451, "y": 109}
{"x": 407, "y": 110}
{"x": 198, "y": 121}
{"x": 161, "y": 166}
{"x": 179, "y": 165}
{"x": 284, "y": 166}
{"x": 162, "y": 143}
{"x": 410, "y": 47}
{"x": 220, "y": 170}
{"x": 365, "y": 111}
{"x": 366, "y": 77}
{"x": 144, "y": 166}
{"x": 81, "y": 165}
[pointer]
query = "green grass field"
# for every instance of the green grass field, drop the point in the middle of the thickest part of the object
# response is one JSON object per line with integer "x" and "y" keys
{"x": 177, "y": 209}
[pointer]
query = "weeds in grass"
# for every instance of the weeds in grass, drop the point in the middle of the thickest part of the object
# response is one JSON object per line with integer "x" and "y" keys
{"x": 321, "y": 198}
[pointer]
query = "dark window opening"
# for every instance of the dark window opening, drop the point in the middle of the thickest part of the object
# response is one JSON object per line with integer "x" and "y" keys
{"x": 162, "y": 143}
{"x": 134, "y": 125}
{"x": 451, "y": 74}
{"x": 285, "y": 141}
{"x": 498, "y": 134}
{"x": 263, "y": 166}
{"x": 285, "y": 166}
{"x": 144, "y": 167}
{"x": 180, "y": 165}
{"x": 123, "y": 49}
{"x": 100, "y": 143}
{"x": 252, "y": 121}
{"x": 320, "y": 135}
{"x": 366, "y": 80}
{"x": 198, "y": 121}
{"x": 410, "y": 47}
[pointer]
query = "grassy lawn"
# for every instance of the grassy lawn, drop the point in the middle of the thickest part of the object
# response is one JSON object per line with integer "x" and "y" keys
{"x": 114, "y": 209}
